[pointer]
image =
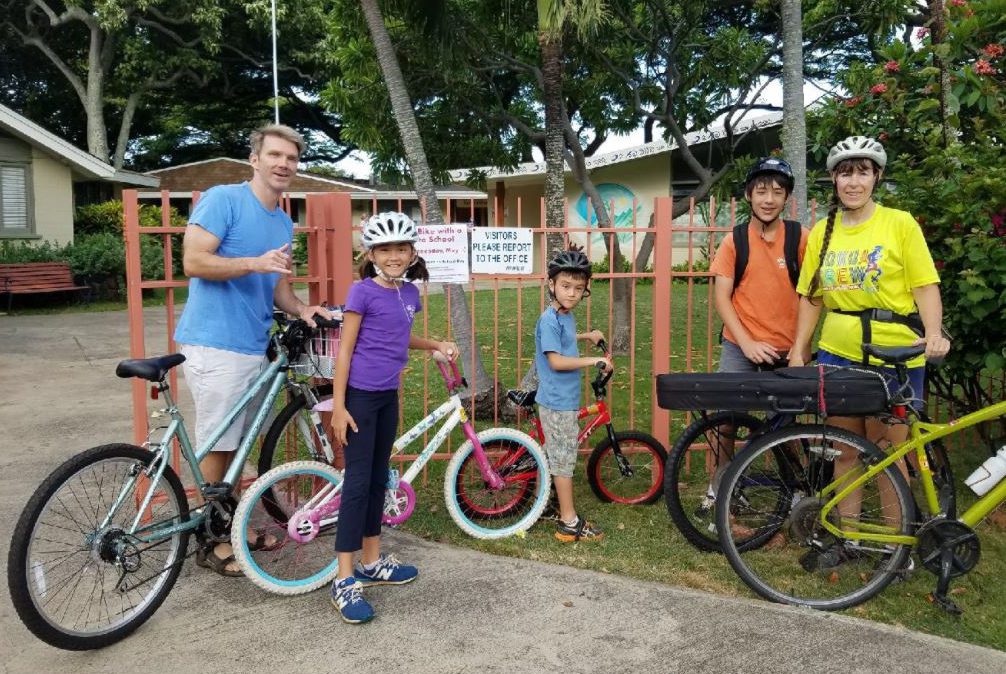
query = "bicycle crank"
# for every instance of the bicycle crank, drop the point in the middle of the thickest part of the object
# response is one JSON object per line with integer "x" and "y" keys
{"x": 956, "y": 539}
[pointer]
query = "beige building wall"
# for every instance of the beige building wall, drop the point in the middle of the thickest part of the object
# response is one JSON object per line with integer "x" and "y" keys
{"x": 646, "y": 178}
{"x": 52, "y": 188}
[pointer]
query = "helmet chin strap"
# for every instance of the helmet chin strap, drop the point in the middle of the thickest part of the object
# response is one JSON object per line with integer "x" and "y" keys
{"x": 393, "y": 279}
{"x": 764, "y": 223}
{"x": 397, "y": 280}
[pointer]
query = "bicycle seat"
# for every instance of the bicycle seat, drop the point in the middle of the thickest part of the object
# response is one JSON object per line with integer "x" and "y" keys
{"x": 522, "y": 398}
{"x": 151, "y": 369}
{"x": 893, "y": 354}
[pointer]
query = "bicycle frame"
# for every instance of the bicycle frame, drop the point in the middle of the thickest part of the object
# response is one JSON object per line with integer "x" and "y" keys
{"x": 452, "y": 413}
{"x": 920, "y": 433}
{"x": 598, "y": 410}
{"x": 272, "y": 380}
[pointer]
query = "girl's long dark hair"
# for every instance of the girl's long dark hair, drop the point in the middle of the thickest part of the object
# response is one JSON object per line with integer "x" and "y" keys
{"x": 416, "y": 272}
{"x": 829, "y": 228}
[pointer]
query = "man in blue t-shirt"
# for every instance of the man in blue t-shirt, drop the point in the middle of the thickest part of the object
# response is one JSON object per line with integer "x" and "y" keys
{"x": 237, "y": 254}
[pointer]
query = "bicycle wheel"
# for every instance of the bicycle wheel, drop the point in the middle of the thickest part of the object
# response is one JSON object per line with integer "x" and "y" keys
{"x": 292, "y": 436}
{"x": 808, "y": 565}
{"x": 302, "y": 558}
{"x": 487, "y": 513}
{"x": 517, "y": 466}
{"x": 645, "y": 457}
{"x": 687, "y": 481}
{"x": 77, "y": 579}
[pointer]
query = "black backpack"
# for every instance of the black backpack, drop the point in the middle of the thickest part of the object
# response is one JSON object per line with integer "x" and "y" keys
{"x": 791, "y": 249}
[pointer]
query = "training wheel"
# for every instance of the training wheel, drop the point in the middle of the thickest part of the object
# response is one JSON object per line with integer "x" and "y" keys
{"x": 399, "y": 502}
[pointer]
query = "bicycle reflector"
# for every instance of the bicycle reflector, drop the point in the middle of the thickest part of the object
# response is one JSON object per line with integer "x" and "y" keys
{"x": 154, "y": 392}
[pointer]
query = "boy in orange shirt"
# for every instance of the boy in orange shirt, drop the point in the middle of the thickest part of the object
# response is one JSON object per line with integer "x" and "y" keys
{"x": 759, "y": 309}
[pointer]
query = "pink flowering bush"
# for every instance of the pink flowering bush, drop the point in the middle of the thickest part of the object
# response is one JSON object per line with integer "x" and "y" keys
{"x": 949, "y": 167}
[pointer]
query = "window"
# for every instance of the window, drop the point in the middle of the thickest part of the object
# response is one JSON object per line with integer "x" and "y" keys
{"x": 15, "y": 212}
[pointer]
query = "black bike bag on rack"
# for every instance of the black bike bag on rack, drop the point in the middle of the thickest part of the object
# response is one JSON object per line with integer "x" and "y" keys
{"x": 797, "y": 390}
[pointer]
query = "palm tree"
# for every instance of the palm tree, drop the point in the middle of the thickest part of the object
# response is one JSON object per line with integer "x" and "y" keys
{"x": 794, "y": 125}
{"x": 562, "y": 143}
{"x": 401, "y": 104}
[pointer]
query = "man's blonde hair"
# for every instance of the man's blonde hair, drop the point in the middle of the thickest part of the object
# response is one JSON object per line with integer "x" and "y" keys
{"x": 280, "y": 131}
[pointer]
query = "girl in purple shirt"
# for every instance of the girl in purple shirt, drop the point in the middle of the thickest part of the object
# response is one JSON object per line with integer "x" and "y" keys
{"x": 376, "y": 336}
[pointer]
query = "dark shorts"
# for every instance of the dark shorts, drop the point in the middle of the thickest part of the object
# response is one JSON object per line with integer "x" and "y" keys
{"x": 916, "y": 375}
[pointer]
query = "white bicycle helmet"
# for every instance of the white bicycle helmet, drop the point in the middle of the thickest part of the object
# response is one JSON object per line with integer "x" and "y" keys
{"x": 857, "y": 147}
{"x": 389, "y": 227}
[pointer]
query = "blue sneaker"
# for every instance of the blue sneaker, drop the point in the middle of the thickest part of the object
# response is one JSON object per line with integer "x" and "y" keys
{"x": 347, "y": 596}
{"x": 389, "y": 571}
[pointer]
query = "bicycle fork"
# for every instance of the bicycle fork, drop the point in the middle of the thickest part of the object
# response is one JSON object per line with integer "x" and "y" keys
{"x": 624, "y": 467}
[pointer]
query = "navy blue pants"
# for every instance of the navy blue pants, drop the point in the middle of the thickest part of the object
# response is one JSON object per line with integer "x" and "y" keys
{"x": 367, "y": 453}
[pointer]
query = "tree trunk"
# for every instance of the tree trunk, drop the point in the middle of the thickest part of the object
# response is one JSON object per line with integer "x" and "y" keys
{"x": 794, "y": 125}
{"x": 555, "y": 182}
{"x": 938, "y": 11}
{"x": 461, "y": 320}
{"x": 94, "y": 97}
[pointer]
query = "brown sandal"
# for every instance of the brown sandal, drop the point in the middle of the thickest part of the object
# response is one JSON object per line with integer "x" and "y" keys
{"x": 211, "y": 560}
{"x": 260, "y": 542}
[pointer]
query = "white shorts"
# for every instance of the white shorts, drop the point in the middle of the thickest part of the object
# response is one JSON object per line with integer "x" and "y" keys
{"x": 217, "y": 379}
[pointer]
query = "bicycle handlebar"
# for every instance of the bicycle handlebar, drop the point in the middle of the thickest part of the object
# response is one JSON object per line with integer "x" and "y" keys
{"x": 449, "y": 370}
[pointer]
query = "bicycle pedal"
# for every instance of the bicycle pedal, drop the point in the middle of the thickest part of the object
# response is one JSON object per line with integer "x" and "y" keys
{"x": 945, "y": 603}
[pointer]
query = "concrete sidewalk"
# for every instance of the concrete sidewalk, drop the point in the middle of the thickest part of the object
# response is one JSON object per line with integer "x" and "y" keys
{"x": 468, "y": 611}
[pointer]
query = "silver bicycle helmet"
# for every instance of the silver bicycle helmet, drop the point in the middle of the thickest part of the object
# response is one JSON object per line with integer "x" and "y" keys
{"x": 389, "y": 227}
{"x": 857, "y": 147}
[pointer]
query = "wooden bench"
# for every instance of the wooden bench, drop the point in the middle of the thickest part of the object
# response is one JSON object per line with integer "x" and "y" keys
{"x": 36, "y": 277}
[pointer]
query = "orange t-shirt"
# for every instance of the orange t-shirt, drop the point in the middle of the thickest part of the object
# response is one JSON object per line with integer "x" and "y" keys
{"x": 765, "y": 301}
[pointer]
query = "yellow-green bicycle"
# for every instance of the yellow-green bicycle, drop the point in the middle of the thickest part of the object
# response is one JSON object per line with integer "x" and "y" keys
{"x": 830, "y": 547}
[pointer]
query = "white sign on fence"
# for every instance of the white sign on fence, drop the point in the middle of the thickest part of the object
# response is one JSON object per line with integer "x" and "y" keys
{"x": 445, "y": 250}
{"x": 502, "y": 250}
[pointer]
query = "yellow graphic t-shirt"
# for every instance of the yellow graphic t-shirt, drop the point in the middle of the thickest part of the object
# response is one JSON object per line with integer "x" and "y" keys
{"x": 872, "y": 265}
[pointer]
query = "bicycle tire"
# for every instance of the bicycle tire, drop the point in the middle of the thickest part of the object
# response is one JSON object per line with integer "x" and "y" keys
{"x": 695, "y": 525}
{"x": 67, "y": 489}
{"x": 648, "y": 461}
{"x": 460, "y": 488}
{"x": 514, "y": 465}
{"x": 812, "y": 567}
{"x": 285, "y": 440}
{"x": 290, "y": 567}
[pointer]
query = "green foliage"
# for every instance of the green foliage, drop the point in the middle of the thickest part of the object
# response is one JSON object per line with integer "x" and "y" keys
{"x": 947, "y": 166}
{"x": 19, "y": 252}
{"x": 107, "y": 217}
{"x": 96, "y": 259}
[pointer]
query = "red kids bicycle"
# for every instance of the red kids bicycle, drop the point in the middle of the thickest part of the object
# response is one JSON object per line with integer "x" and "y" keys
{"x": 626, "y": 466}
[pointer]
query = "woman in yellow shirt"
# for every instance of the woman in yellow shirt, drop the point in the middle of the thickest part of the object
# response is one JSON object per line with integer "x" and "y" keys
{"x": 865, "y": 257}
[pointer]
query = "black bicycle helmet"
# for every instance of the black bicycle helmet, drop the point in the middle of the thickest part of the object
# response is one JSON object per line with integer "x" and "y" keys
{"x": 771, "y": 165}
{"x": 569, "y": 260}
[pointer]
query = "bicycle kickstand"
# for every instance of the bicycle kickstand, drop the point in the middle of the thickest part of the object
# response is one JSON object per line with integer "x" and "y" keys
{"x": 939, "y": 597}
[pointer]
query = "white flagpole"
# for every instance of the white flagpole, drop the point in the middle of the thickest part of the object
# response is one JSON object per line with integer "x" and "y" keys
{"x": 275, "y": 67}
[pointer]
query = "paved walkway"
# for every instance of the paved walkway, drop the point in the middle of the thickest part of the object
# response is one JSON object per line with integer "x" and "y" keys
{"x": 467, "y": 612}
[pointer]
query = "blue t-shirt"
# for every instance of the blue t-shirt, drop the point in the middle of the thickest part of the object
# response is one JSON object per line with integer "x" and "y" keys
{"x": 382, "y": 345}
{"x": 236, "y": 314}
{"x": 557, "y": 390}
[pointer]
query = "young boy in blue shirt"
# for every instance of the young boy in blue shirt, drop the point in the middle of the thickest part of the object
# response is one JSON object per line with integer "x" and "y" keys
{"x": 558, "y": 362}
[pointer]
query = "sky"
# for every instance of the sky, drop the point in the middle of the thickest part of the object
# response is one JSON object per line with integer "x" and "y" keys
{"x": 357, "y": 163}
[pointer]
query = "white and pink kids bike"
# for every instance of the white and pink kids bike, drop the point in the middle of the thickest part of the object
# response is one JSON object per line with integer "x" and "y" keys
{"x": 496, "y": 485}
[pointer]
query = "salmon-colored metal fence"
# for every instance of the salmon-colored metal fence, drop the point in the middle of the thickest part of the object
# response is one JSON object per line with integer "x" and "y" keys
{"x": 666, "y": 301}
